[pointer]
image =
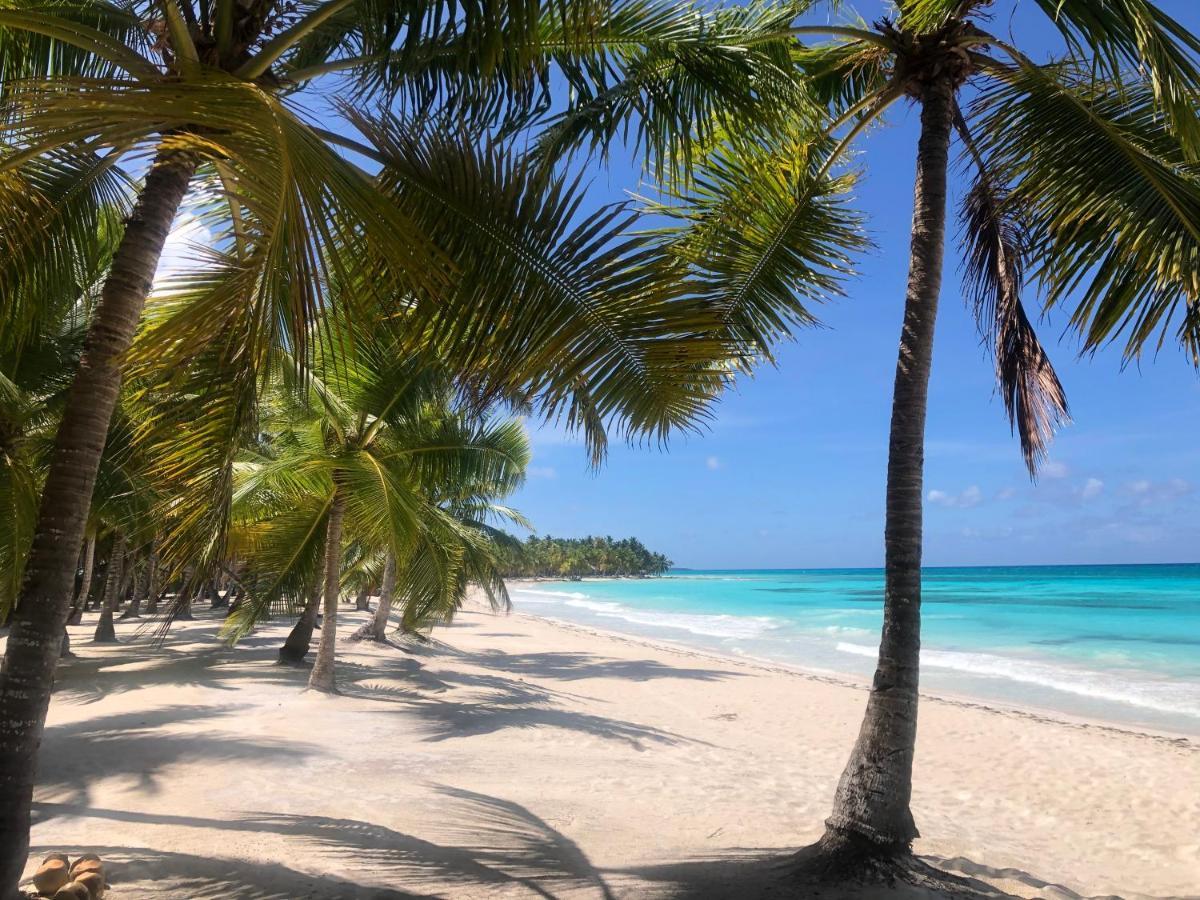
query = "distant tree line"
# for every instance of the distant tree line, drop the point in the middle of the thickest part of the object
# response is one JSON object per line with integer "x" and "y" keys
{"x": 571, "y": 557}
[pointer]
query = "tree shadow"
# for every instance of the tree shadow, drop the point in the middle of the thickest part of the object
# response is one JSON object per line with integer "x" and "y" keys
{"x": 970, "y": 868}
{"x": 165, "y": 874}
{"x": 133, "y": 745}
{"x": 770, "y": 874}
{"x": 565, "y": 666}
{"x": 485, "y": 842}
{"x": 496, "y": 703}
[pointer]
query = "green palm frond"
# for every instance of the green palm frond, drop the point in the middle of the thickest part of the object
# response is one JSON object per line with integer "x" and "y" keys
{"x": 285, "y": 554}
{"x": 1120, "y": 37}
{"x": 929, "y": 15}
{"x": 548, "y": 301}
{"x": 59, "y": 226}
{"x": 841, "y": 75}
{"x": 769, "y": 232}
{"x": 666, "y": 78}
{"x": 70, "y": 38}
{"x": 1110, "y": 201}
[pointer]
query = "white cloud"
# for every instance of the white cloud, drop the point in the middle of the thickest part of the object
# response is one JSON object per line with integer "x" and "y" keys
{"x": 547, "y": 472}
{"x": 1054, "y": 469}
{"x": 970, "y": 497}
{"x": 713, "y": 463}
{"x": 1006, "y": 493}
{"x": 1147, "y": 493}
{"x": 1091, "y": 488}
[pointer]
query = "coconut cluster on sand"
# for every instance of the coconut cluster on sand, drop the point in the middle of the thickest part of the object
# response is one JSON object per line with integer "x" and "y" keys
{"x": 61, "y": 879}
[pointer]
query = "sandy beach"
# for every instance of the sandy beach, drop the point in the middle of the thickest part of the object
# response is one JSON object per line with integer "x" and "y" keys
{"x": 518, "y": 757}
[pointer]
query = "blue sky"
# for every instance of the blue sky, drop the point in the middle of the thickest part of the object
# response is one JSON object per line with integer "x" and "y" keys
{"x": 791, "y": 472}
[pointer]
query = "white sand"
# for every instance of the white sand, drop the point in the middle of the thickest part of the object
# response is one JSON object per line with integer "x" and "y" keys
{"x": 517, "y": 757}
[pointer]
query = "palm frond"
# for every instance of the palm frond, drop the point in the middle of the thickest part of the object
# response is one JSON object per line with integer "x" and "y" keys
{"x": 1110, "y": 201}
{"x": 1120, "y": 37}
{"x": 548, "y": 300}
{"x": 994, "y": 250}
{"x": 768, "y": 232}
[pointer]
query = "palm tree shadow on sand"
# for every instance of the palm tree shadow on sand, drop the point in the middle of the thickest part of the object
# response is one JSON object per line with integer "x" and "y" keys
{"x": 485, "y": 846}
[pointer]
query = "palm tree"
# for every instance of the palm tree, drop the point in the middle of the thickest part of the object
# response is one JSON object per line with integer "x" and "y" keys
{"x": 367, "y": 449}
{"x": 203, "y": 87}
{"x": 1085, "y": 187}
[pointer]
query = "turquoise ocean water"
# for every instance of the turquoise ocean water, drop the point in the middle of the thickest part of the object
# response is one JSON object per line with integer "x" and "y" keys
{"x": 1117, "y": 643}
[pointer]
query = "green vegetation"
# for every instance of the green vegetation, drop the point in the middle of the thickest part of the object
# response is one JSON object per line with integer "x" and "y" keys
{"x": 322, "y": 400}
{"x": 542, "y": 557}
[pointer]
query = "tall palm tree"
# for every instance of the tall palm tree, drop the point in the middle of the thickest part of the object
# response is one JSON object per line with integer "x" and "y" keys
{"x": 203, "y": 87}
{"x": 366, "y": 448}
{"x": 1085, "y": 187}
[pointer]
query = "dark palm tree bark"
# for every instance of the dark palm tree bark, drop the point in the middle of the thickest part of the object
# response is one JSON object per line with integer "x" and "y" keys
{"x": 89, "y": 564}
{"x": 33, "y": 646}
{"x": 362, "y": 603}
{"x": 871, "y": 815}
{"x": 299, "y": 639}
{"x": 106, "y": 633}
{"x": 152, "y": 581}
{"x": 140, "y": 588}
{"x": 322, "y": 676}
{"x": 376, "y": 629}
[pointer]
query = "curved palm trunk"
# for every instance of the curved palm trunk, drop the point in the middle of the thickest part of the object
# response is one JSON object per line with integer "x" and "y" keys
{"x": 871, "y": 813}
{"x": 376, "y": 629}
{"x": 141, "y": 585}
{"x": 28, "y": 671}
{"x": 362, "y": 603}
{"x": 322, "y": 676}
{"x": 89, "y": 565}
{"x": 152, "y": 581}
{"x": 299, "y": 639}
{"x": 105, "y": 632}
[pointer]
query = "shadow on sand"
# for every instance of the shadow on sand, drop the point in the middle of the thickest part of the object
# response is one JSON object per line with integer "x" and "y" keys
{"x": 475, "y": 846}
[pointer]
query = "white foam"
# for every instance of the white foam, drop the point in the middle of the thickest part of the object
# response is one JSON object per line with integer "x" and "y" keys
{"x": 570, "y": 595}
{"x": 724, "y": 626}
{"x": 594, "y": 605}
{"x": 711, "y": 626}
{"x": 1174, "y": 698}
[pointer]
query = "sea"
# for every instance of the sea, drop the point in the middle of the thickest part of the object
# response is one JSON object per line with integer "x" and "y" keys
{"x": 1118, "y": 644}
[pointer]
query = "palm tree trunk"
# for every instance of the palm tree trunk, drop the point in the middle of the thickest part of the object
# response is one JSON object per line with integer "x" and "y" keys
{"x": 376, "y": 629}
{"x": 89, "y": 564}
{"x": 322, "y": 676}
{"x": 141, "y": 584}
{"x": 33, "y": 646}
{"x": 871, "y": 814}
{"x": 362, "y": 603}
{"x": 152, "y": 581}
{"x": 299, "y": 639}
{"x": 105, "y": 632}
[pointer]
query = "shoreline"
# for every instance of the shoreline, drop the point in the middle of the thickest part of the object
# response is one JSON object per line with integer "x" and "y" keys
{"x": 854, "y": 680}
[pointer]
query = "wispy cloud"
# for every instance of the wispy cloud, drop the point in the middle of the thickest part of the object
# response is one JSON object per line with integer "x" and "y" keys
{"x": 1148, "y": 493}
{"x": 713, "y": 463}
{"x": 1054, "y": 469}
{"x": 966, "y": 499}
{"x": 1091, "y": 489}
